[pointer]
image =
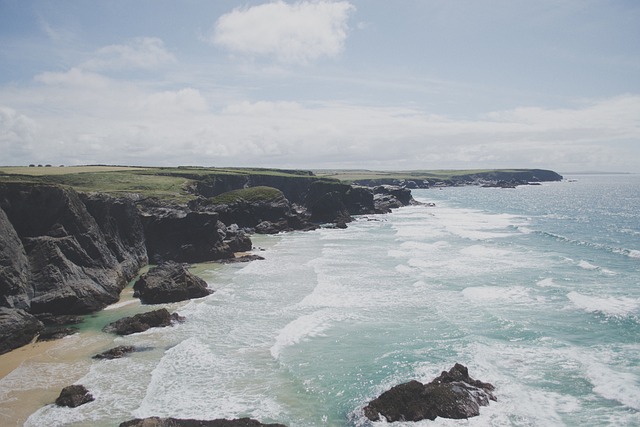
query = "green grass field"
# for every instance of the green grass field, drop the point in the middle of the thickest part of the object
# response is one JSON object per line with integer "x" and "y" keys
{"x": 175, "y": 183}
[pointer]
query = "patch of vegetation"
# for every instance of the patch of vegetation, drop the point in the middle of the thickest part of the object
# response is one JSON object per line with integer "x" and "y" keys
{"x": 251, "y": 194}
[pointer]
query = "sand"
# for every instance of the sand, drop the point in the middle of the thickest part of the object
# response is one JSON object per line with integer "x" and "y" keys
{"x": 32, "y": 376}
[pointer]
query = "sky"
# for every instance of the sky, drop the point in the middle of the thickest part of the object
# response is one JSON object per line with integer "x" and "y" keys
{"x": 319, "y": 84}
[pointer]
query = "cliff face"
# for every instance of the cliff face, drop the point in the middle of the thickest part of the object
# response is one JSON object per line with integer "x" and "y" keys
{"x": 184, "y": 236}
{"x": 63, "y": 252}
{"x": 69, "y": 265}
{"x": 14, "y": 267}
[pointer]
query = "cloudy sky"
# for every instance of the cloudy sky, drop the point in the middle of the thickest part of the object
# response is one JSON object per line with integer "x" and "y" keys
{"x": 411, "y": 84}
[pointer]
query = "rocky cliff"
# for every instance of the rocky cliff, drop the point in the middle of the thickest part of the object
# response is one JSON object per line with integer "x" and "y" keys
{"x": 64, "y": 262}
{"x": 67, "y": 252}
{"x": 61, "y": 254}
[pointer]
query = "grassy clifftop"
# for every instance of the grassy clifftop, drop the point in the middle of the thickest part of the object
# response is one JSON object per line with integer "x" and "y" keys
{"x": 178, "y": 184}
{"x": 181, "y": 184}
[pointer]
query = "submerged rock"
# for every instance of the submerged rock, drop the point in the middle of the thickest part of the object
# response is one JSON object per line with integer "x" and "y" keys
{"x": 169, "y": 282}
{"x": 243, "y": 258}
{"x": 115, "y": 353}
{"x": 74, "y": 395}
{"x": 143, "y": 321}
{"x": 176, "y": 422}
{"x": 451, "y": 395}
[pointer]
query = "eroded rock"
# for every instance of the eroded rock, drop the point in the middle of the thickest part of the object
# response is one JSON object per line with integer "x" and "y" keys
{"x": 73, "y": 396}
{"x": 143, "y": 321}
{"x": 17, "y": 328}
{"x": 451, "y": 395}
{"x": 169, "y": 282}
{"x": 176, "y": 422}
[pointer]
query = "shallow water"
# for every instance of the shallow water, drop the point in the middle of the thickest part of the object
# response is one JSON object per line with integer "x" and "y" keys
{"x": 535, "y": 289}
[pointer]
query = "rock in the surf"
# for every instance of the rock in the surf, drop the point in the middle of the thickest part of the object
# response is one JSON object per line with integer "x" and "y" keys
{"x": 176, "y": 422}
{"x": 115, "y": 353}
{"x": 451, "y": 395}
{"x": 74, "y": 395}
{"x": 169, "y": 282}
{"x": 143, "y": 321}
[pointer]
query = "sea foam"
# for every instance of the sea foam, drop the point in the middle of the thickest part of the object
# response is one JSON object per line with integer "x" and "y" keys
{"x": 617, "y": 307}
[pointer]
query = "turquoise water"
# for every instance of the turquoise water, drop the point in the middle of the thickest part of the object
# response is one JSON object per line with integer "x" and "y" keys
{"x": 535, "y": 289}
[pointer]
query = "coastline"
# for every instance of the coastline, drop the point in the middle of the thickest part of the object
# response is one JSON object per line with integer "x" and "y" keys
{"x": 32, "y": 376}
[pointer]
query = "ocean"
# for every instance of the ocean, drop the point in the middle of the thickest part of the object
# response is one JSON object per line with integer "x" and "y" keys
{"x": 535, "y": 289}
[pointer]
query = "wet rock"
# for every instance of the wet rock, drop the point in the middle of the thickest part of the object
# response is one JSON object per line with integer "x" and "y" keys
{"x": 451, "y": 395}
{"x": 73, "y": 396}
{"x": 169, "y": 282}
{"x": 243, "y": 258}
{"x": 143, "y": 321}
{"x": 51, "y": 333}
{"x": 115, "y": 353}
{"x": 176, "y": 422}
{"x": 240, "y": 242}
{"x": 17, "y": 328}
{"x": 388, "y": 197}
{"x": 50, "y": 319}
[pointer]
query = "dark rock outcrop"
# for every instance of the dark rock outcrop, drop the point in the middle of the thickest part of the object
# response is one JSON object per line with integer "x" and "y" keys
{"x": 169, "y": 282}
{"x": 451, "y": 395}
{"x": 240, "y": 242}
{"x": 17, "y": 328}
{"x": 388, "y": 197}
{"x": 181, "y": 235}
{"x": 143, "y": 321}
{"x": 71, "y": 268}
{"x": 73, "y": 396}
{"x": 51, "y": 333}
{"x": 270, "y": 207}
{"x": 325, "y": 202}
{"x": 243, "y": 258}
{"x": 247, "y": 213}
{"x": 115, "y": 353}
{"x": 121, "y": 227}
{"x": 14, "y": 267}
{"x": 176, "y": 422}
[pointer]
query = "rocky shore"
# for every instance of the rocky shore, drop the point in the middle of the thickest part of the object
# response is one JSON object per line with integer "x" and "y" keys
{"x": 65, "y": 252}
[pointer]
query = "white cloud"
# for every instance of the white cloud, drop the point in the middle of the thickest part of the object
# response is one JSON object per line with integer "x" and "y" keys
{"x": 292, "y": 33}
{"x": 141, "y": 52}
{"x": 17, "y": 133}
{"x": 84, "y": 117}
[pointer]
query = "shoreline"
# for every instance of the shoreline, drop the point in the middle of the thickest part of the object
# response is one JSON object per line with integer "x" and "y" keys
{"x": 32, "y": 376}
{"x": 64, "y": 361}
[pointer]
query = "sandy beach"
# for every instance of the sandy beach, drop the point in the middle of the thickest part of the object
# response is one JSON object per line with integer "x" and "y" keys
{"x": 32, "y": 376}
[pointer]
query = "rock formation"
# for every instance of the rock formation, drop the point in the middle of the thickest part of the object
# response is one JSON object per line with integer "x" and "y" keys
{"x": 115, "y": 353}
{"x": 181, "y": 235}
{"x": 64, "y": 252}
{"x": 68, "y": 266}
{"x": 73, "y": 396}
{"x": 451, "y": 395}
{"x": 176, "y": 422}
{"x": 17, "y": 328}
{"x": 169, "y": 282}
{"x": 143, "y": 321}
